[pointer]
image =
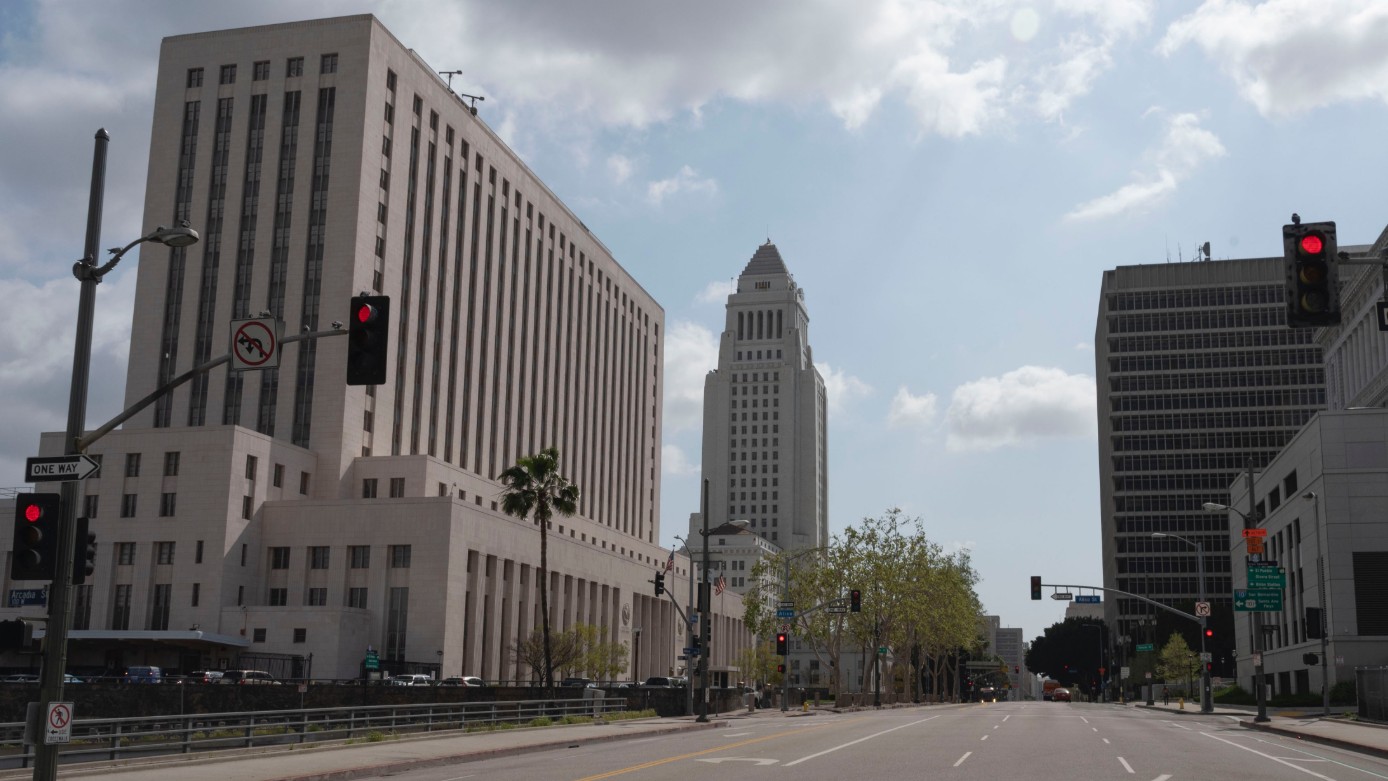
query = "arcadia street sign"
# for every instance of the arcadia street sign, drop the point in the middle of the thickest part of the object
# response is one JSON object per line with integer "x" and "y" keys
{"x": 59, "y": 469}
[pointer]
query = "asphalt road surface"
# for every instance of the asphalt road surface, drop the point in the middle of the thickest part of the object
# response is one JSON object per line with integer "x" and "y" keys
{"x": 1034, "y": 741}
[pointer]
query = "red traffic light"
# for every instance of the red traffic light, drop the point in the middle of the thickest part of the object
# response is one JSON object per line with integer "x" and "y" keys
{"x": 32, "y": 513}
{"x": 1312, "y": 244}
{"x": 1209, "y": 633}
{"x": 366, "y": 313}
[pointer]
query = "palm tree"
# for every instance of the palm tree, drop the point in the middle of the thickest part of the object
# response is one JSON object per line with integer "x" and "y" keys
{"x": 534, "y": 488}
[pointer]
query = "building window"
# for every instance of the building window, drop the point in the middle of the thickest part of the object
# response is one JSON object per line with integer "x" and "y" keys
{"x": 390, "y": 80}
{"x": 132, "y": 464}
{"x": 82, "y": 608}
{"x": 329, "y": 64}
{"x": 120, "y": 607}
{"x": 318, "y": 557}
{"x": 279, "y": 558}
{"x": 90, "y": 503}
{"x": 317, "y": 597}
{"x": 195, "y": 77}
{"x": 260, "y": 71}
{"x": 171, "y": 464}
{"x": 240, "y": 595}
{"x": 228, "y": 74}
{"x": 159, "y": 611}
{"x": 359, "y": 556}
{"x": 166, "y": 505}
{"x": 300, "y": 635}
{"x": 197, "y": 593}
{"x": 246, "y": 507}
{"x": 356, "y": 597}
{"x": 243, "y": 554}
{"x": 397, "y": 615}
{"x": 163, "y": 552}
{"x": 197, "y": 553}
{"x": 368, "y": 488}
{"x": 279, "y": 597}
{"x": 293, "y": 67}
{"x": 303, "y": 483}
{"x": 397, "y": 487}
{"x": 251, "y": 463}
{"x": 278, "y": 478}
{"x": 258, "y": 635}
{"x": 127, "y": 505}
{"x": 125, "y": 553}
{"x": 400, "y": 557}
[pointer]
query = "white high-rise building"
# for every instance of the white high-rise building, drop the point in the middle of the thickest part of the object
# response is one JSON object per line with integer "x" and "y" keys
{"x": 765, "y": 444}
{"x": 283, "y": 515}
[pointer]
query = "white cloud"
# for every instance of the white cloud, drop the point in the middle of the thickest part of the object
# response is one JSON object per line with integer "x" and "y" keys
{"x": 909, "y": 410}
{"x": 620, "y": 167}
{"x": 1084, "y": 55}
{"x": 674, "y": 462}
{"x": 1183, "y": 149}
{"x": 691, "y": 352}
{"x": 717, "y": 292}
{"x": 1021, "y": 406}
{"x": 687, "y": 180}
{"x": 841, "y": 388}
{"x": 1291, "y": 56}
{"x": 1084, "y": 347}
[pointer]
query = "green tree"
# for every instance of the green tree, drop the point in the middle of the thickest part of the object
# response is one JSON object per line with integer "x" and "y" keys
{"x": 601, "y": 659}
{"x": 564, "y": 652}
{"x": 535, "y": 489}
{"x": 1177, "y": 661}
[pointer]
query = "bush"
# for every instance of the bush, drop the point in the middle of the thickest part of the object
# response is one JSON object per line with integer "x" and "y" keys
{"x": 1234, "y": 695}
{"x": 541, "y": 721}
{"x": 1343, "y": 693}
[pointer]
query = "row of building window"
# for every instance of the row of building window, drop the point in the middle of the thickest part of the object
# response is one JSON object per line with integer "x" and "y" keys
{"x": 260, "y": 70}
{"x": 1195, "y": 298}
{"x": 1218, "y": 340}
{"x": 1215, "y": 360}
{"x": 756, "y": 355}
{"x": 1192, "y": 522}
{"x": 1287, "y": 397}
{"x": 358, "y": 557}
{"x": 1236, "y": 440}
{"x": 1256, "y": 379}
{"x": 173, "y": 458}
{"x": 369, "y": 487}
{"x": 1174, "y": 462}
{"x": 1253, "y": 419}
{"x": 1198, "y": 320}
{"x": 760, "y": 325}
{"x": 1163, "y": 482}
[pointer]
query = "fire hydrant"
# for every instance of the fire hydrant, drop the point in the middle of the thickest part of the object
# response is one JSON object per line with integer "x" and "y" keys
{"x": 1181, "y": 702}
{"x": 805, "y": 706}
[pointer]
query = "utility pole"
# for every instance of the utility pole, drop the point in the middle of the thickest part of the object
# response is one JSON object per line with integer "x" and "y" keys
{"x": 1257, "y": 640}
{"x": 704, "y": 605}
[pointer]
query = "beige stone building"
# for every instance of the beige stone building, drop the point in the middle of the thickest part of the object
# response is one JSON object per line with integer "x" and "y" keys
{"x": 279, "y": 517}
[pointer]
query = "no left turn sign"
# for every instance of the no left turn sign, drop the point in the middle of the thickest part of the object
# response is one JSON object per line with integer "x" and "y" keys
{"x": 254, "y": 344}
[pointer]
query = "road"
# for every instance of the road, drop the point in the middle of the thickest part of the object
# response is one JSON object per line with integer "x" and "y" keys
{"x": 1022, "y": 740}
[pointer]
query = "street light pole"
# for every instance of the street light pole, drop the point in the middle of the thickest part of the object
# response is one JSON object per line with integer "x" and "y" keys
{"x": 704, "y": 607}
{"x": 1325, "y": 605}
{"x": 1206, "y": 701}
{"x": 689, "y": 626}
{"x": 60, "y": 592}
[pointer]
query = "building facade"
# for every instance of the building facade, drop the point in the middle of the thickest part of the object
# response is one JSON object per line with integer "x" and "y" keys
{"x": 280, "y": 512}
{"x": 1197, "y": 376}
{"x": 765, "y": 442}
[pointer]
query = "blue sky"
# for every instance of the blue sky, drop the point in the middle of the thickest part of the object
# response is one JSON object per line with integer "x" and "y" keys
{"x": 946, "y": 180}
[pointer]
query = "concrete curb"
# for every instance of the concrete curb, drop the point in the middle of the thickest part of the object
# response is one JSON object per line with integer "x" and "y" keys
{"x": 1358, "y": 748}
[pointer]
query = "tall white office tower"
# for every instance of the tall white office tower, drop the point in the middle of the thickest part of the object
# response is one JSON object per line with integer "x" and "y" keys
{"x": 765, "y": 450}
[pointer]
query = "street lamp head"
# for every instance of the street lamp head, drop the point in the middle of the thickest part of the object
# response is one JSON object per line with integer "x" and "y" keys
{"x": 1215, "y": 507}
{"x": 1309, "y": 495}
{"x": 741, "y": 523}
{"x": 180, "y": 236}
{"x": 1158, "y": 534}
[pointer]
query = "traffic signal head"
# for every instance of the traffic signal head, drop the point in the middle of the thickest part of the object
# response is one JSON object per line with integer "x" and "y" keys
{"x": 1035, "y": 586}
{"x": 855, "y": 600}
{"x": 84, "y": 553}
{"x": 1314, "y": 629}
{"x": 36, "y": 518}
{"x": 368, "y": 342}
{"x": 1209, "y": 632}
{"x": 781, "y": 644}
{"x": 659, "y": 583}
{"x": 780, "y": 668}
{"x": 1312, "y": 285}
{"x": 1310, "y": 659}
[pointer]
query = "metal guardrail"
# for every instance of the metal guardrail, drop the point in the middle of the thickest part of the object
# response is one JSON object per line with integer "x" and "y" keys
{"x": 113, "y": 739}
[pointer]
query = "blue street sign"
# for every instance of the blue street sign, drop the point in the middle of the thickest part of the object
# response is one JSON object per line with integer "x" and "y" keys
{"x": 19, "y": 597}
{"x": 691, "y": 652}
{"x": 1092, "y": 599}
{"x": 785, "y": 613}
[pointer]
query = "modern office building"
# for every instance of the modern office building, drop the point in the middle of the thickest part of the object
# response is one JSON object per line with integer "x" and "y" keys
{"x": 1198, "y": 377}
{"x": 765, "y": 443}
{"x": 279, "y": 515}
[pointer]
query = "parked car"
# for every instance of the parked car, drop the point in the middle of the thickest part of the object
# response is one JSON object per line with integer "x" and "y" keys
{"x": 1060, "y": 695}
{"x": 411, "y": 680}
{"x": 20, "y": 678}
{"x": 246, "y": 677}
{"x": 204, "y": 676}
{"x": 70, "y": 678}
{"x": 582, "y": 683}
{"x": 462, "y": 680}
{"x": 143, "y": 674}
{"x": 663, "y": 682}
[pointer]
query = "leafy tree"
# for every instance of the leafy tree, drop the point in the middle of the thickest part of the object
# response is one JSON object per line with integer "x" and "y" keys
{"x": 1177, "y": 661}
{"x": 563, "y": 652}
{"x": 1069, "y": 651}
{"x": 602, "y": 660}
{"x": 534, "y": 488}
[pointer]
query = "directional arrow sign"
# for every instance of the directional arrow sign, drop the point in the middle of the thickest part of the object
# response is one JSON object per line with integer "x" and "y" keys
{"x": 59, "y": 469}
{"x": 1063, "y": 596}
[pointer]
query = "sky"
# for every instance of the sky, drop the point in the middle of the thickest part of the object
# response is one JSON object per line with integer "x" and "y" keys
{"x": 946, "y": 180}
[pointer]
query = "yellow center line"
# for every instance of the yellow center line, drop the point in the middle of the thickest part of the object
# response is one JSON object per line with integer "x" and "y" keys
{"x": 713, "y": 750}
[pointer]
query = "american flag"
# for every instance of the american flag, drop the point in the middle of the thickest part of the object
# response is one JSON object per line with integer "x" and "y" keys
{"x": 670, "y": 562}
{"x": 719, "y": 585}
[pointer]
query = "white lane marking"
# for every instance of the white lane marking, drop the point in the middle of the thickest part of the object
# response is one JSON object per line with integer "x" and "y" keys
{"x": 739, "y": 734}
{"x": 985, "y": 737}
{"x": 1005, "y": 718}
{"x": 859, "y": 740}
{"x": 1268, "y": 756}
{"x": 967, "y": 754}
{"x": 995, "y": 726}
{"x": 1126, "y": 766}
{"x": 460, "y": 778}
{"x": 1096, "y": 729}
{"x": 1174, "y": 724}
{"x": 1105, "y": 740}
{"x": 1162, "y": 777}
{"x": 1083, "y": 719}
{"x": 1318, "y": 758}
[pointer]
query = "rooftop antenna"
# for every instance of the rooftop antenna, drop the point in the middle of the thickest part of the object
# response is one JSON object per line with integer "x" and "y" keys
{"x": 450, "y": 75}
{"x": 1205, "y": 250}
{"x": 473, "y": 98}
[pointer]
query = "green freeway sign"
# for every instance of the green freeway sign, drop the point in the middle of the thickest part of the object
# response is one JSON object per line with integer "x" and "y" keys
{"x": 1267, "y": 577}
{"x": 1145, "y": 648}
{"x": 1258, "y": 599}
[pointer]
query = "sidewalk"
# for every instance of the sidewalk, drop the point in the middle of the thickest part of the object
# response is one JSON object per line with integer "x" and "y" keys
{"x": 338, "y": 762}
{"x": 1364, "y": 737}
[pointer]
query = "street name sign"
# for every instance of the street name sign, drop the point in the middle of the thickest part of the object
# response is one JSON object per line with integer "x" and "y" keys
{"x": 60, "y": 469}
{"x": 1145, "y": 648}
{"x": 1267, "y": 578}
{"x": 1064, "y": 596}
{"x": 19, "y": 597}
{"x": 1255, "y": 533}
{"x": 786, "y": 603}
{"x": 836, "y": 609}
{"x": 1090, "y": 599}
{"x": 785, "y": 612}
{"x": 1257, "y": 600}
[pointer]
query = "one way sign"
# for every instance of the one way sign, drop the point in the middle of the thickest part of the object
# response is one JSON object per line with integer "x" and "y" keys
{"x": 59, "y": 469}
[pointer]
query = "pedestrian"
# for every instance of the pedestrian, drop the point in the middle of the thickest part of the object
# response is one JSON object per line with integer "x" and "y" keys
{"x": 1165, "y": 696}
